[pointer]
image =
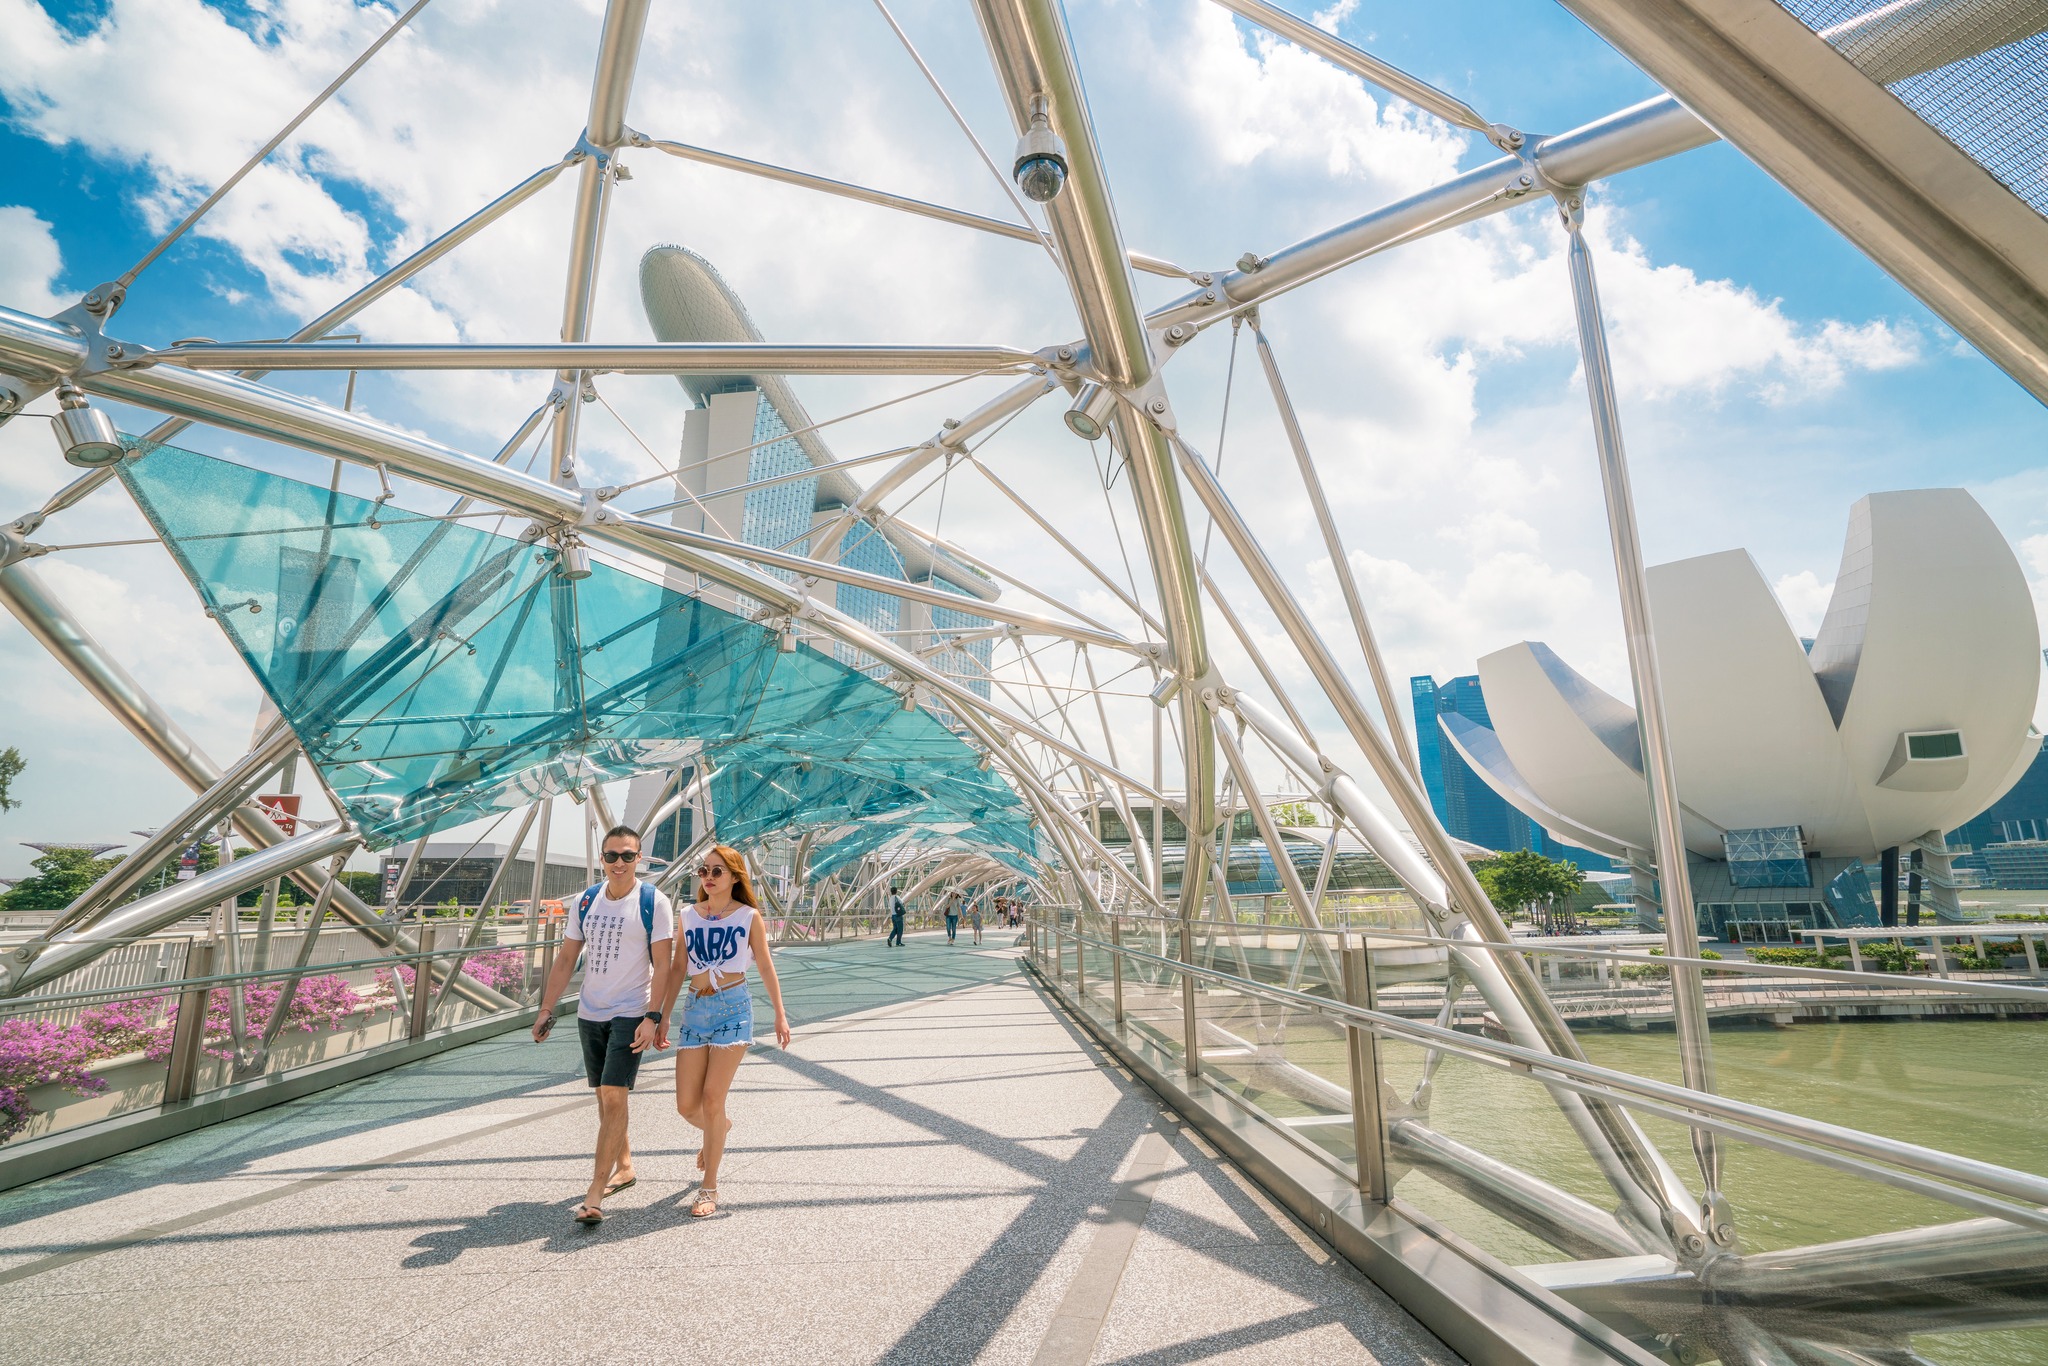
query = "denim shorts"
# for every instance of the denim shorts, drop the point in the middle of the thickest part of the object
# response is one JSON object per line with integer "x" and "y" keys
{"x": 723, "y": 1018}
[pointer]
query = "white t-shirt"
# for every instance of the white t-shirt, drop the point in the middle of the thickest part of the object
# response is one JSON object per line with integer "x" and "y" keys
{"x": 618, "y": 974}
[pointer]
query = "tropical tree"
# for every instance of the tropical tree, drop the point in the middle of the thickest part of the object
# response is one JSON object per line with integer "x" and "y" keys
{"x": 61, "y": 874}
{"x": 1294, "y": 813}
{"x": 1545, "y": 889}
{"x": 11, "y": 765}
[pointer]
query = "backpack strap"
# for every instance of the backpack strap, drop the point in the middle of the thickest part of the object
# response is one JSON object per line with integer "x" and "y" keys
{"x": 647, "y": 916}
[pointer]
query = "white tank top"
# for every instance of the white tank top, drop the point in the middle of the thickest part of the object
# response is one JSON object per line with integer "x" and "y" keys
{"x": 722, "y": 945}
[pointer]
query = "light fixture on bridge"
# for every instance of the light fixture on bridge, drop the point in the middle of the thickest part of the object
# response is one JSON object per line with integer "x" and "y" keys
{"x": 1088, "y": 418}
{"x": 85, "y": 434}
{"x": 574, "y": 558}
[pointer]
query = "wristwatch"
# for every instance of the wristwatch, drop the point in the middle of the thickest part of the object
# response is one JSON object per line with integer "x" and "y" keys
{"x": 654, "y": 1015}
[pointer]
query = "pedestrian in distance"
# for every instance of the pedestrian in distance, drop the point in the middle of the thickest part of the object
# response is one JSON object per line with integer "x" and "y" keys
{"x": 974, "y": 919}
{"x": 952, "y": 909}
{"x": 619, "y": 923}
{"x": 722, "y": 932}
{"x": 895, "y": 920}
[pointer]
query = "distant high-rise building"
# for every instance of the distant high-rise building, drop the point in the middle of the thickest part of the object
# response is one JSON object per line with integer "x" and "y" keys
{"x": 1470, "y": 809}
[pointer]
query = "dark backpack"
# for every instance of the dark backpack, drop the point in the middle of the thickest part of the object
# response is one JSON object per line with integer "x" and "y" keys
{"x": 646, "y": 911}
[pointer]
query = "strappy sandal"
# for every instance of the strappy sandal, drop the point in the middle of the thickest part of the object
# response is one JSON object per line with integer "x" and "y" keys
{"x": 706, "y": 1203}
{"x": 586, "y": 1213}
{"x": 615, "y": 1187}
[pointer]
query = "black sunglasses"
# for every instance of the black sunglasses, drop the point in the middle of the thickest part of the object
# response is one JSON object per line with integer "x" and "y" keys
{"x": 621, "y": 855}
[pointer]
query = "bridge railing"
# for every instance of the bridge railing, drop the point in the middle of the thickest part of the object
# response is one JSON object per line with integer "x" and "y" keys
{"x": 1859, "y": 1198}
{"x": 187, "y": 1026}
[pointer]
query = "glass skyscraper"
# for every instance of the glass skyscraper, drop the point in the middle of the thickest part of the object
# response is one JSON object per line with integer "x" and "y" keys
{"x": 1469, "y": 809}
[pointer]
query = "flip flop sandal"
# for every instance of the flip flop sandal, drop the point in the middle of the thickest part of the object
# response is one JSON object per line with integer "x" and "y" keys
{"x": 588, "y": 1214}
{"x": 706, "y": 1203}
{"x": 615, "y": 1187}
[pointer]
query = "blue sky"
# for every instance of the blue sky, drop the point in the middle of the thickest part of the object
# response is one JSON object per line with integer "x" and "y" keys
{"x": 1770, "y": 374}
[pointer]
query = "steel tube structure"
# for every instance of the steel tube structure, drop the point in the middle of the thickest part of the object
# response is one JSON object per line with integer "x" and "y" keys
{"x": 1748, "y": 1310}
{"x": 59, "y": 632}
{"x": 1339, "y": 53}
{"x": 1276, "y": 847}
{"x": 1340, "y": 563}
{"x": 1646, "y": 132}
{"x": 146, "y": 915}
{"x": 618, "y": 54}
{"x": 1034, "y": 62}
{"x": 1674, "y": 881}
{"x": 999, "y": 227}
{"x": 910, "y": 592}
{"x": 646, "y": 358}
{"x": 1639, "y": 1174}
{"x": 230, "y": 792}
{"x": 238, "y": 404}
{"x": 2022, "y": 1188}
{"x": 384, "y": 284}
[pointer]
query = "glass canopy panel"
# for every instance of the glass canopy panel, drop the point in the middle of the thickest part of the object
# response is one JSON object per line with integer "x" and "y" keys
{"x": 438, "y": 672}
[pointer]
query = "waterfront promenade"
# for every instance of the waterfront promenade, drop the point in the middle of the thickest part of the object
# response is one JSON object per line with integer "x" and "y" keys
{"x": 941, "y": 1169}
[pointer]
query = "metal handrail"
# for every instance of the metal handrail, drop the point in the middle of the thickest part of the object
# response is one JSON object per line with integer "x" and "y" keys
{"x": 29, "y": 1004}
{"x": 1729, "y": 966}
{"x": 2028, "y": 1189}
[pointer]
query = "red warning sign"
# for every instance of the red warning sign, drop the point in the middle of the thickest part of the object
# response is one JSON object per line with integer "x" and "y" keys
{"x": 284, "y": 809}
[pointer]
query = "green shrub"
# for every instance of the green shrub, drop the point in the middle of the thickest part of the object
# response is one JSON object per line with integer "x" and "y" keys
{"x": 1637, "y": 972}
{"x": 1991, "y": 960}
{"x": 1892, "y": 956}
{"x": 1833, "y": 956}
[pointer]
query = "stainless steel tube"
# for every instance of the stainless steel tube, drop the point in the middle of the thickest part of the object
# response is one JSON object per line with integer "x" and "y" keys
{"x": 646, "y": 358}
{"x": 1034, "y": 63}
{"x": 50, "y": 623}
{"x": 1674, "y": 880}
{"x": 146, "y": 915}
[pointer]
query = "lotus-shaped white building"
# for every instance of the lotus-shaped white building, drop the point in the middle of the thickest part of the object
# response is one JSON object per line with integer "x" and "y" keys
{"x": 1909, "y": 714}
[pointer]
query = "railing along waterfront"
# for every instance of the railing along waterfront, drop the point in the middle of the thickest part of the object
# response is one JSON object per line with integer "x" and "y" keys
{"x": 1849, "y": 1156}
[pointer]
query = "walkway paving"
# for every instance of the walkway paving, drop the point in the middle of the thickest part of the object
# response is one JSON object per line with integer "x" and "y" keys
{"x": 941, "y": 1169}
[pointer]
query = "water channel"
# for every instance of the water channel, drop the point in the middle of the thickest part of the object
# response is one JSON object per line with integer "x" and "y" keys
{"x": 1974, "y": 1087}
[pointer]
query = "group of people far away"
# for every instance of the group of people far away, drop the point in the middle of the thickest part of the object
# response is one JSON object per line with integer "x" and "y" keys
{"x": 951, "y": 906}
{"x": 635, "y": 966}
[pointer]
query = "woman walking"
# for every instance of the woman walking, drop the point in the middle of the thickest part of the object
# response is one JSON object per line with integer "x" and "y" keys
{"x": 719, "y": 935}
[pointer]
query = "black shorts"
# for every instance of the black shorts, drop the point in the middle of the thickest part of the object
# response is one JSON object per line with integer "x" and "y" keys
{"x": 608, "y": 1056}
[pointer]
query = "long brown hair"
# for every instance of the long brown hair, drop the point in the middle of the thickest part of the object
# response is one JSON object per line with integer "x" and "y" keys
{"x": 742, "y": 887}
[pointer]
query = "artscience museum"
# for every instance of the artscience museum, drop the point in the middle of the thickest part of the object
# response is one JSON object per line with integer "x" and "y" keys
{"x": 1798, "y": 762}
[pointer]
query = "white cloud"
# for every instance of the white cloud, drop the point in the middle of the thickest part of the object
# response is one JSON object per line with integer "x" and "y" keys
{"x": 1328, "y": 19}
{"x": 1805, "y": 599}
{"x": 30, "y": 263}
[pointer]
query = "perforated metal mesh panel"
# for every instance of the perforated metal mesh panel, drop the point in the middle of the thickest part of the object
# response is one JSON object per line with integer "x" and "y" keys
{"x": 1974, "y": 70}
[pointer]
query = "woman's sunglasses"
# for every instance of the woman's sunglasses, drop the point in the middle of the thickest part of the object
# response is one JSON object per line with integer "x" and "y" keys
{"x": 710, "y": 870}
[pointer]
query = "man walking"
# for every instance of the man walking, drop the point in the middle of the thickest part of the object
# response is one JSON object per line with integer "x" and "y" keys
{"x": 618, "y": 923}
{"x": 951, "y": 907}
{"x": 895, "y": 919}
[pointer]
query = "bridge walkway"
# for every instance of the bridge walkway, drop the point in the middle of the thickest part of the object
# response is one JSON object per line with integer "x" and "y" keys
{"x": 940, "y": 1169}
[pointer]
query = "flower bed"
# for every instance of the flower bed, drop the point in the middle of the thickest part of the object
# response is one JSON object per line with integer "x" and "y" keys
{"x": 499, "y": 969}
{"x": 42, "y": 1053}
